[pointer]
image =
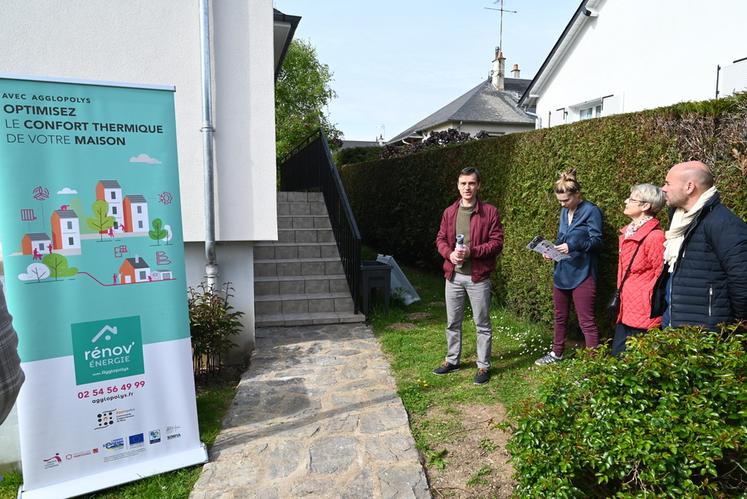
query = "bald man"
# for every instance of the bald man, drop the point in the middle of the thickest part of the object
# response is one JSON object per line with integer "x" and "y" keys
{"x": 704, "y": 281}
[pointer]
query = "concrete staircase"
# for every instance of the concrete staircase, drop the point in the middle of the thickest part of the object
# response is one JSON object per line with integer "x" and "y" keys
{"x": 299, "y": 279}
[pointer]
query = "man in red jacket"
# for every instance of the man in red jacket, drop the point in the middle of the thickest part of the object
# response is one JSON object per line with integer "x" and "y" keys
{"x": 467, "y": 269}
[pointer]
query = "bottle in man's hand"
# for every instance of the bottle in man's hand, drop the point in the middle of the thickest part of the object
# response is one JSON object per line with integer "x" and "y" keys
{"x": 459, "y": 246}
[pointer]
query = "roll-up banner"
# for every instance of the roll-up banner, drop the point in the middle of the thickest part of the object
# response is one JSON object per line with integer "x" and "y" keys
{"x": 91, "y": 234}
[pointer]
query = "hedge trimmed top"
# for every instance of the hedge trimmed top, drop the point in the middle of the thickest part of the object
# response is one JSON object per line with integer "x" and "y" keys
{"x": 398, "y": 202}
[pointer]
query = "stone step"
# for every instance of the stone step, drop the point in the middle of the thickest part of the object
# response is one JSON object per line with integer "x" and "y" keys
{"x": 299, "y": 279}
{"x": 275, "y": 285}
{"x": 298, "y": 267}
{"x": 272, "y": 250}
{"x": 303, "y": 222}
{"x": 303, "y": 303}
{"x": 308, "y": 319}
{"x": 302, "y": 208}
{"x": 299, "y": 196}
{"x": 305, "y": 236}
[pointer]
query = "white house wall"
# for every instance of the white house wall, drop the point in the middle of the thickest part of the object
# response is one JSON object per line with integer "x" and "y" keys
{"x": 245, "y": 120}
{"x": 645, "y": 54}
{"x": 140, "y": 221}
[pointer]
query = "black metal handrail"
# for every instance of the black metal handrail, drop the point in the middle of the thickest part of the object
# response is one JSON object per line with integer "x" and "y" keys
{"x": 309, "y": 166}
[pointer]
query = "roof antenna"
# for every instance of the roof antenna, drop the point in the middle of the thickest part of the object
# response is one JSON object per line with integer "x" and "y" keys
{"x": 501, "y": 10}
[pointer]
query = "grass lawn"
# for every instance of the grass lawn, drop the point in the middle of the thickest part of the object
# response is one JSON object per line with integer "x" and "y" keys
{"x": 456, "y": 424}
{"x": 213, "y": 398}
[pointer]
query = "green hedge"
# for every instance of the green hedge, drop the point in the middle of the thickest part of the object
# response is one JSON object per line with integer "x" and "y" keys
{"x": 666, "y": 420}
{"x": 398, "y": 202}
{"x": 356, "y": 154}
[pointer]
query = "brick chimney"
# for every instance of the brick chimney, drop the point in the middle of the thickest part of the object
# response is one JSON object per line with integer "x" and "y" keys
{"x": 515, "y": 71}
{"x": 499, "y": 70}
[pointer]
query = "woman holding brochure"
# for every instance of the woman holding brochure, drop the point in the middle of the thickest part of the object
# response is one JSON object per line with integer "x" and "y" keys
{"x": 639, "y": 265}
{"x": 575, "y": 278}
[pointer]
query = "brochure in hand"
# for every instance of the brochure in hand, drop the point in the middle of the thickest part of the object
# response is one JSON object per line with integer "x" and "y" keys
{"x": 546, "y": 248}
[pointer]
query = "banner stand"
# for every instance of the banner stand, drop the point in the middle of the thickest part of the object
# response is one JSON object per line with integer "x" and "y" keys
{"x": 91, "y": 234}
{"x": 127, "y": 474}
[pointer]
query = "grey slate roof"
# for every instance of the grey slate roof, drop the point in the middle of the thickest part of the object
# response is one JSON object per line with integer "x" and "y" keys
{"x": 136, "y": 198}
{"x": 110, "y": 184}
{"x": 140, "y": 264}
{"x": 347, "y": 144}
{"x": 38, "y": 236}
{"x": 483, "y": 104}
{"x": 66, "y": 213}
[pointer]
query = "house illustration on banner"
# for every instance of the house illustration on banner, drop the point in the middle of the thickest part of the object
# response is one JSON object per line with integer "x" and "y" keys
{"x": 65, "y": 230}
{"x": 38, "y": 241}
{"x": 134, "y": 270}
{"x": 130, "y": 212}
{"x": 135, "y": 213}
{"x": 111, "y": 192}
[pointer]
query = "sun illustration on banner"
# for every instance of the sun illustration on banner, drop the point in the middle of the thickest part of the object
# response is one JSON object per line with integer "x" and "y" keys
{"x": 165, "y": 198}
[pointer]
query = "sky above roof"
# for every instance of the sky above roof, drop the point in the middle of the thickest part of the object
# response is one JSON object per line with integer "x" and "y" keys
{"x": 394, "y": 62}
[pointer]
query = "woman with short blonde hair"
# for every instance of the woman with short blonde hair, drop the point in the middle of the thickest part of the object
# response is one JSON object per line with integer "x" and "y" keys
{"x": 575, "y": 278}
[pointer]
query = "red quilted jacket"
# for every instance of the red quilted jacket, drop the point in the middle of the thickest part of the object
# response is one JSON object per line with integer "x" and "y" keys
{"x": 635, "y": 302}
{"x": 485, "y": 236}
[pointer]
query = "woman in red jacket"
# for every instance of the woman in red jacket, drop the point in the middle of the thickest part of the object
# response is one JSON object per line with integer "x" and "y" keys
{"x": 642, "y": 252}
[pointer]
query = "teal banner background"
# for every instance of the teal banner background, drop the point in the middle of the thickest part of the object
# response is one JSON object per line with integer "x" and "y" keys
{"x": 53, "y": 160}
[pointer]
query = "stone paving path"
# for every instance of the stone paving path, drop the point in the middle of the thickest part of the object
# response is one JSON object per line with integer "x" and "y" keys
{"x": 316, "y": 415}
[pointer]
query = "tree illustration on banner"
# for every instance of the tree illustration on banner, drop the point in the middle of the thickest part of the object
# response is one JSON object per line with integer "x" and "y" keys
{"x": 57, "y": 265}
{"x": 101, "y": 221}
{"x": 36, "y": 271}
{"x": 158, "y": 231}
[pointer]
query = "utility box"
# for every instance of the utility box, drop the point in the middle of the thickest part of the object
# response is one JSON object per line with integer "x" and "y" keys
{"x": 374, "y": 275}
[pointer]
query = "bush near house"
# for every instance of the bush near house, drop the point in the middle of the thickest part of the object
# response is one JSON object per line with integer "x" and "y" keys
{"x": 666, "y": 420}
{"x": 398, "y": 202}
{"x": 434, "y": 140}
{"x": 212, "y": 323}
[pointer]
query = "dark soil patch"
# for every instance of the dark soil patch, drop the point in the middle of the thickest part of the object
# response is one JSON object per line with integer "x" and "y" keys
{"x": 402, "y": 326}
{"x": 475, "y": 461}
{"x": 416, "y": 316}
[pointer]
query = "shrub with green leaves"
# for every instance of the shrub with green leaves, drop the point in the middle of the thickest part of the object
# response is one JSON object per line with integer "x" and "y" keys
{"x": 212, "y": 323}
{"x": 668, "y": 419}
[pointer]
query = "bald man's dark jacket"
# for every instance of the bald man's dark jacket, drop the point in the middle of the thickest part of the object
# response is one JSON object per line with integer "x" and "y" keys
{"x": 709, "y": 283}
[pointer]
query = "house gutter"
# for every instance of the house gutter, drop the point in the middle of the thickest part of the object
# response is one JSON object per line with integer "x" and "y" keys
{"x": 582, "y": 14}
{"x": 211, "y": 262}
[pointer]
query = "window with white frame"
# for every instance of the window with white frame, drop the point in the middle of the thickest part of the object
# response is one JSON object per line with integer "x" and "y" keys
{"x": 587, "y": 113}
